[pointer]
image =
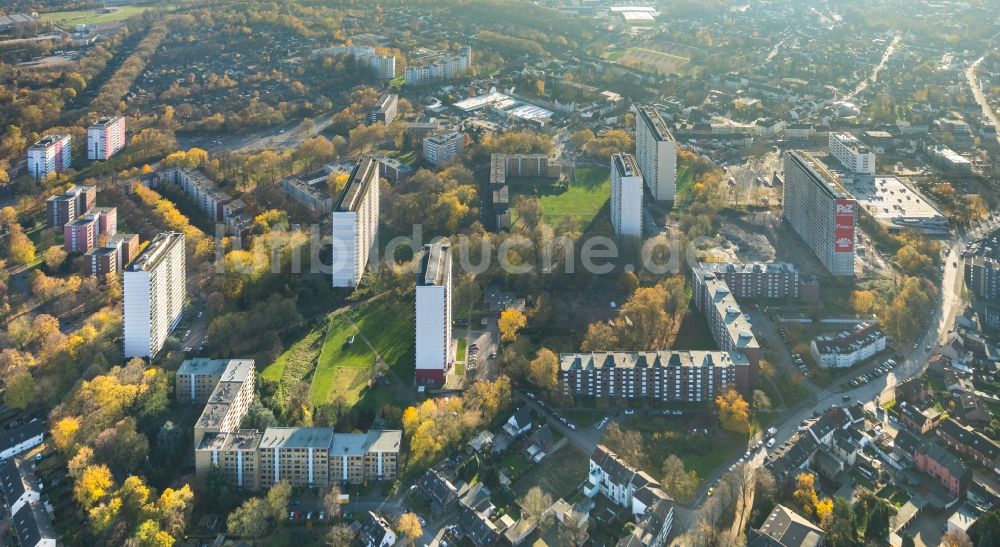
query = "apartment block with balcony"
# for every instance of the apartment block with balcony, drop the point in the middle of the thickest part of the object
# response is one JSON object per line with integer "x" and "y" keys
{"x": 50, "y": 155}
{"x": 355, "y": 224}
{"x": 385, "y": 110}
{"x": 105, "y": 138}
{"x": 849, "y": 347}
{"x": 626, "y": 196}
{"x": 656, "y": 153}
{"x": 153, "y": 293}
{"x": 820, "y": 211}
{"x": 853, "y": 154}
{"x": 660, "y": 376}
{"x": 229, "y": 399}
{"x": 433, "y": 314}
{"x": 442, "y": 148}
{"x": 730, "y": 327}
{"x": 68, "y": 206}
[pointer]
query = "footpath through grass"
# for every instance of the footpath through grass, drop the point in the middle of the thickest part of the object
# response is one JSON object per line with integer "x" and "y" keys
{"x": 343, "y": 368}
{"x": 389, "y": 324}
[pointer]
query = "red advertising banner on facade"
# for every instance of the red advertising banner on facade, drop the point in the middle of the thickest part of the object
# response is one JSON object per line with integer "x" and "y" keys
{"x": 843, "y": 234}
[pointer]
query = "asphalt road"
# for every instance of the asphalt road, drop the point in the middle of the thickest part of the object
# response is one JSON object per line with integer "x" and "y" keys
{"x": 977, "y": 92}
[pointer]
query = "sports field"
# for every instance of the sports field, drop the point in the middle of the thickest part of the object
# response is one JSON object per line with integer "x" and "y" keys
{"x": 98, "y": 16}
{"x": 654, "y": 60}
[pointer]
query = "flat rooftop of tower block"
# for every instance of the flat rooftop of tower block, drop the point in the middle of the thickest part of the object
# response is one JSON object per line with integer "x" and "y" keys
{"x": 105, "y": 121}
{"x": 625, "y": 165}
{"x": 654, "y": 121}
{"x": 48, "y": 140}
{"x": 433, "y": 264}
{"x": 818, "y": 170}
{"x": 364, "y": 174}
{"x": 155, "y": 251}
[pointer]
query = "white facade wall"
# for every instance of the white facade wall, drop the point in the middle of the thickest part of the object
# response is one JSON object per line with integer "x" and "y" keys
{"x": 153, "y": 299}
{"x": 347, "y": 266}
{"x": 433, "y": 318}
{"x": 852, "y": 153}
{"x": 23, "y": 446}
{"x": 626, "y": 203}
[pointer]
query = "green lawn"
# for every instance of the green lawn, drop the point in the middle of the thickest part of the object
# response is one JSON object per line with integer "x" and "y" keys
{"x": 581, "y": 201}
{"x": 407, "y": 157}
{"x": 558, "y": 474}
{"x": 389, "y": 325}
{"x": 343, "y": 369}
{"x": 460, "y": 352}
{"x": 300, "y": 355}
{"x": 97, "y": 16}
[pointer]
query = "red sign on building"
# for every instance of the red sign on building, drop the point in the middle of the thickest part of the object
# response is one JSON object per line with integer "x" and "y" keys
{"x": 843, "y": 234}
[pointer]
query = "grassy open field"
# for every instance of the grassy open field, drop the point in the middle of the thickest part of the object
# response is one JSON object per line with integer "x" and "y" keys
{"x": 389, "y": 325}
{"x": 297, "y": 359}
{"x": 343, "y": 369}
{"x": 558, "y": 474}
{"x": 653, "y": 60}
{"x": 580, "y": 201}
{"x": 98, "y": 16}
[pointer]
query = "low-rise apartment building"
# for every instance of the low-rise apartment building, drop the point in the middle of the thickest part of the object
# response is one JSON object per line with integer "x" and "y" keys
{"x": 848, "y": 347}
{"x": 113, "y": 256}
{"x": 969, "y": 442}
{"x": 651, "y": 508}
{"x": 936, "y": 461}
{"x": 660, "y": 376}
{"x": 764, "y": 280}
{"x": 728, "y": 324}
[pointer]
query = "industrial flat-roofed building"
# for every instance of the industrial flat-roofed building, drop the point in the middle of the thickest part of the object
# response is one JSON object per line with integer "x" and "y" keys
{"x": 656, "y": 153}
{"x": 820, "y": 212}
{"x": 626, "y": 196}
{"x": 433, "y": 314}
{"x": 662, "y": 376}
{"x": 50, "y": 155}
{"x": 153, "y": 293}
{"x": 355, "y": 224}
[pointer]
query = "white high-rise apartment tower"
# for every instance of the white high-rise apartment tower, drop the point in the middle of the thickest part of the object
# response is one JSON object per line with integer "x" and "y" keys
{"x": 355, "y": 224}
{"x": 626, "y": 196}
{"x": 50, "y": 155}
{"x": 433, "y": 314}
{"x": 656, "y": 153}
{"x": 105, "y": 138}
{"x": 153, "y": 294}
